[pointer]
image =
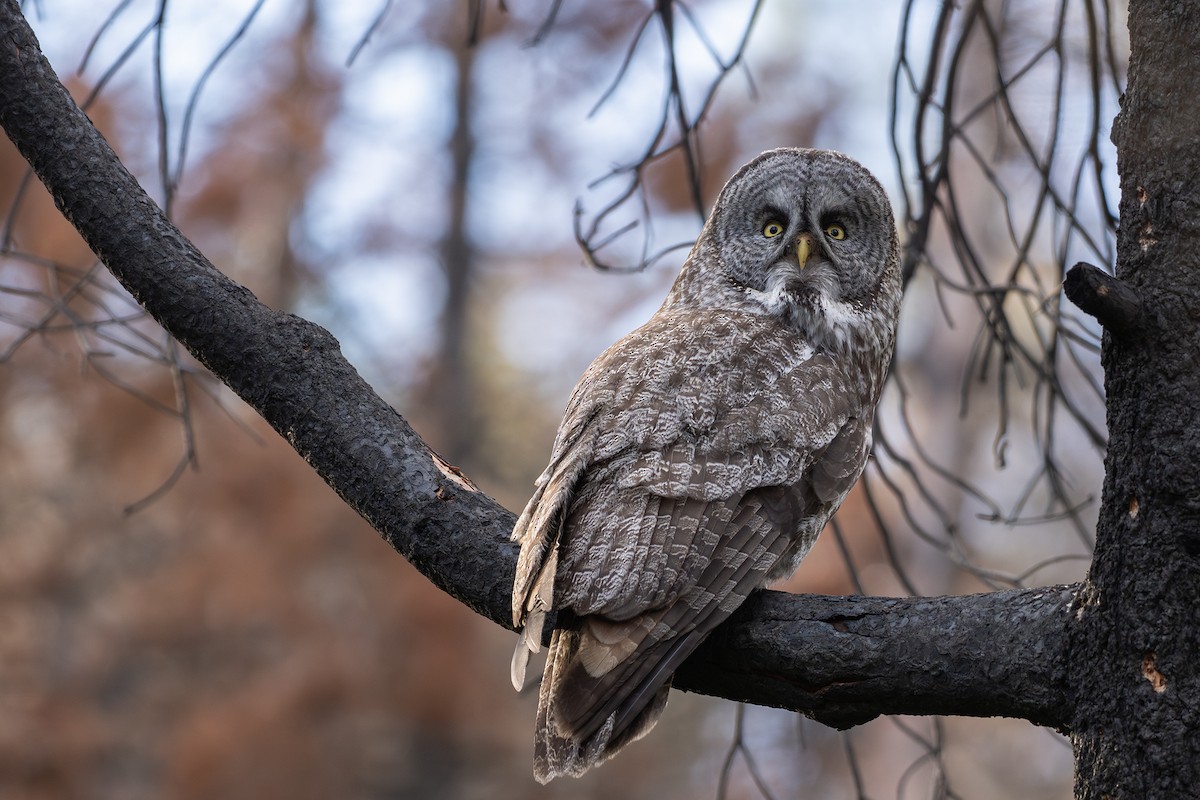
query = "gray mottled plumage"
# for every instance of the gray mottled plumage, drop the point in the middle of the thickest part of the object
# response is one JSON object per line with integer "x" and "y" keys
{"x": 700, "y": 456}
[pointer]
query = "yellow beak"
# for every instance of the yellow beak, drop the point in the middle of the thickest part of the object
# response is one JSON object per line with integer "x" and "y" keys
{"x": 804, "y": 247}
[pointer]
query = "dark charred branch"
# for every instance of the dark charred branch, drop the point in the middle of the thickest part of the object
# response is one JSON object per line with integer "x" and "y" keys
{"x": 1113, "y": 303}
{"x": 841, "y": 660}
{"x": 288, "y": 369}
{"x": 845, "y": 660}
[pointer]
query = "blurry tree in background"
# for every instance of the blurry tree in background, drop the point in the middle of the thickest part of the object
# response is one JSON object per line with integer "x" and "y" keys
{"x": 186, "y": 611}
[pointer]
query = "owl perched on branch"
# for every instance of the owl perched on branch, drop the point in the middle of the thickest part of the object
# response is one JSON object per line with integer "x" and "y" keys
{"x": 700, "y": 456}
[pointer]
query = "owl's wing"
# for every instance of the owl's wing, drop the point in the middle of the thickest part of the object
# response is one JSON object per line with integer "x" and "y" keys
{"x": 610, "y": 666}
{"x": 694, "y": 561}
{"x": 673, "y": 491}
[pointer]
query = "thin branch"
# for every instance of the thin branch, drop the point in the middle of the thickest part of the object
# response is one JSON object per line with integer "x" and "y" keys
{"x": 676, "y": 134}
{"x": 370, "y": 31}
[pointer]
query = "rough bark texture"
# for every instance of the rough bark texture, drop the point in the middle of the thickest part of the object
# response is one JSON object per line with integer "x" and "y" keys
{"x": 1135, "y": 662}
{"x": 846, "y": 660}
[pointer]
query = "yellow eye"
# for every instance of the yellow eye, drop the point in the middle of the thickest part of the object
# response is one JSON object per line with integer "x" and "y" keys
{"x": 772, "y": 229}
{"x": 835, "y": 231}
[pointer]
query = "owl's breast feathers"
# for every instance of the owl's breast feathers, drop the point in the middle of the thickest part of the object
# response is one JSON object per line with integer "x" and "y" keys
{"x": 698, "y": 458}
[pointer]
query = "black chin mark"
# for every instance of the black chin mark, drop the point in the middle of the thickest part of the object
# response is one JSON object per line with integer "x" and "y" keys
{"x": 804, "y": 296}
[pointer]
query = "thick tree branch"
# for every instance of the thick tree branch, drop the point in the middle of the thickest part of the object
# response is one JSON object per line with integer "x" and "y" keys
{"x": 842, "y": 660}
{"x": 291, "y": 371}
{"x": 845, "y": 660}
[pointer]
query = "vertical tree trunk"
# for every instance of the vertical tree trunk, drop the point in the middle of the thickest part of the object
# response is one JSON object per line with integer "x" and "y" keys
{"x": 1136, "y": 649}
{"x": 453, "y": 387}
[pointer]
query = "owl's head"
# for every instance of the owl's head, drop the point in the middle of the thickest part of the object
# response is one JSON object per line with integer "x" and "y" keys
{"x": 805, "y": 235}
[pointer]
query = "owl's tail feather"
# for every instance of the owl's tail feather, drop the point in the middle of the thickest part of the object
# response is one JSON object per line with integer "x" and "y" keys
{"x": 585, "y": 719}
{"x": 533, "y": 610}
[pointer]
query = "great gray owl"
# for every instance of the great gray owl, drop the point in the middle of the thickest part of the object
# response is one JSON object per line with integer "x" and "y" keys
{"x": 700, "y": 456}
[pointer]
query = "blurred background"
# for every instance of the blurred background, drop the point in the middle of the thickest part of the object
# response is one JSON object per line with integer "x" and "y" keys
{"x": 476, "y": 199}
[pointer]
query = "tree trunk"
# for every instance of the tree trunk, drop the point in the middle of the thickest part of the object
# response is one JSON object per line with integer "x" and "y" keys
{"x": 1135, "y": 655}
{"x": 453, "y": 389}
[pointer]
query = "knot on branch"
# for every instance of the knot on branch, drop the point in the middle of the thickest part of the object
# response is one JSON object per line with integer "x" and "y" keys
{"x": 1113, "y": 303}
